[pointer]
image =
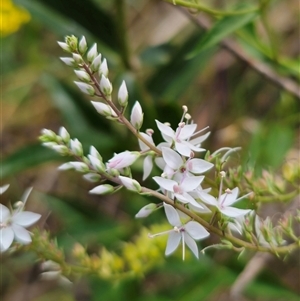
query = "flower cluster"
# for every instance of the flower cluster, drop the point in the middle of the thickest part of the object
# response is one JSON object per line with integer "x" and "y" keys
{"x": 182, "y": 172}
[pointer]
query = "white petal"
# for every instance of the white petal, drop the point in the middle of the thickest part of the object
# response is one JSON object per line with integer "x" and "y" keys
{"x": 160, "y": 162}
{"x": 26, "y": 195}
{"x": 195, "y": 230}
{"x": 181, "y": 198}
{"x": 147, "y": 166}
{"x": 192, "y": 201}
{"x": 172, "y": 158}
{"x": 230, "y": 198}
{"x": 6, "y": 238}
{"x": 165, "y": 129}
{"x": 191, "y": 244}
{"x": 199, "y": 166}
{"x": 21, "y": 234}
{"x": 165, "y": 183}
{"x": 26, "y": 218}
{"x": 3, "y": 188}
{"x": 142, "y": 145}
{"x": 173, "y": 242}
{"x": 172, "y": 215}
{"x": 199, "y": 139}
{"x": 4, "y": 213}
{"x": 191, "y": 183}
{"x": 207, "y": 198}
{"x": 234, "y": 212}
{"x": 183, "y": 149}
{"x": 187, "y": 131}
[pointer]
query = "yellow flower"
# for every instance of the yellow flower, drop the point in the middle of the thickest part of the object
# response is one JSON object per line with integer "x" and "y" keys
{"x": 12, "y": 17}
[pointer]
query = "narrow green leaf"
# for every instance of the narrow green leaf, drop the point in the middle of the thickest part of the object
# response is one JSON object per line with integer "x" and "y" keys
{"x": 220, "y": 30}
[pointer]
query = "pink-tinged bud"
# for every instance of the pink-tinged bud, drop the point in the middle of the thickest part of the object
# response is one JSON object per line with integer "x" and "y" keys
{"x": 63, "y": 133}
{"x": 105, "y": 86}
{"x": 64, "y": 46}
{"x": 130, "y": 184}
{"x": 146, "y": 210}
{"x": 123, "y": 95}
{"x": 123, "y": 160}
{"x": 82, "y": 47}
{"x": 92, "y": 53}
{"x": 104, "y": 109}
{"x": 103, "y": 68}
{"x": 82, "y": 75}
{"x": 85, "y": 88}
{"x": 68, "y": 61}
{"x": 96, "y": 63}
{"x": 102, "y": 189}
{"x": 136, "y": 118}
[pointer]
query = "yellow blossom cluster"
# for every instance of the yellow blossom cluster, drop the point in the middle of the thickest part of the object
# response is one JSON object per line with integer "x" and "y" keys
{"x": 12, "y": 17}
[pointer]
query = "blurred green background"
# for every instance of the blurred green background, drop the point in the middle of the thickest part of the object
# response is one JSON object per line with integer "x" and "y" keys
{"x": 149, "y": 44}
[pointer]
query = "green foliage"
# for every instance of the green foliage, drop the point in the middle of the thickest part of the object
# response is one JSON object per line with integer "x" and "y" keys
{"x": 186, "y": 66}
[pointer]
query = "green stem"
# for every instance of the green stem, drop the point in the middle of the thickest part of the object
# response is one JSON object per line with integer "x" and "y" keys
{"x": 211, "y": 11}
{"x": 211, "y": 228}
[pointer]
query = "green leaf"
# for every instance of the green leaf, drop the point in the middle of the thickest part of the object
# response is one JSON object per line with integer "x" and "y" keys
{"x": 26, "y": 158}
{"x": 220, "y": 30}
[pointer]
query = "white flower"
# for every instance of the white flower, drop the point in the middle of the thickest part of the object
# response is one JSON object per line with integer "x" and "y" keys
{"x": 181, "y": 190}
{"x": 175, "y": 162}
{"x": 137, "y": 115}
{"x": 103, "y": 69}
{"x": 122, "y": 160}
{"x": 224, "y": 202}
{"x": 188, "y": 233}
{"x": 13, "y": 224}
{"x": 96, "y": 63}
{"x": 68, "y": 61}
{"x": 82, "y": 45}
{"x": 180, "y": 138}
{"x": 83, "y": 75}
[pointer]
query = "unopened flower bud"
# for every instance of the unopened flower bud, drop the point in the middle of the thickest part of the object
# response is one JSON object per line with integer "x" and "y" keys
{"x": 103, "y": 68}
{"x": 63, "y": 133}
{"x": 82, "y": 75}
{"x": 136, "y": 117}
{"x": 68, "y": 61}
{"x": 82, "y": 47}
{"x": 123, "y": 95}
{"x": 96, "y": 63}
{"x": 105, "y": 86}
{"x": 104, "y": 109}
{"x": 146, "y": 210}
{"x": 95, "y": 153}
{"x": 92, "y": 177}
{"x": 61, "y": 149}
{"x": 97, "y": 164}
{"x": 72, "y": 41}
{"x": 76, "y": 147}
{"x": 64, "y": 46}
{"x": 48, "y": 134}
{"x": 92, "y": 53}
{"x": 85, "y": 88}
{"x": 130, "y": 184}
{"x": 79, "y": 166}
{"x": 77, "y": 58}
{"x": 102, "y": 189}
